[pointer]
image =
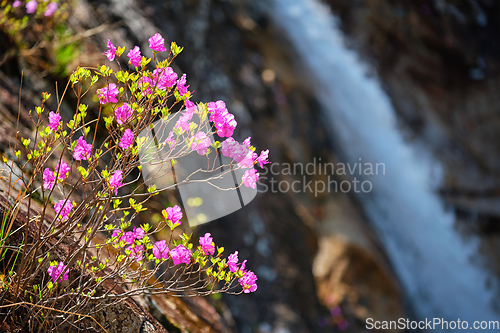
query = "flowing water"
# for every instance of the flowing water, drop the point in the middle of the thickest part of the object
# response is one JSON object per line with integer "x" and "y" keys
{"x": 431, "y": 259}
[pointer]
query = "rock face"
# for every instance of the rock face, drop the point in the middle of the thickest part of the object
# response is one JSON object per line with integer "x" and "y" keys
{"x": 231, "y": 52}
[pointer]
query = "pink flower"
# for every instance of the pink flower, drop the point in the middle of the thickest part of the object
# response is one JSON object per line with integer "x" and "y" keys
{"x": 250, "y": 178}
{"x": 56, "y": 271}
{"x": 51, "y": 9}
{"x": 123, "y": 113}
{"x": 232, "y": 262}
{"x": 242, "y": 267}
{"x": 170, "y": 140}
{"x": 207, "y": 244}
{"x": 216, "y": 109}
{"x": 16, "y": 3}
{"x": 138, "y": 233}
{"x": 111, "y": 52}
{"x": 49, "y": 180}
{"x": 135, "y": 56}
{"x": 241, "y": 153}
{"x": 157, "y": 43}
{"x": 181, "y": 85}
{"x": 145, "y": 84}
{"x": 127, "y": 139}
{"x": 247, "y": 281}
{"x": 115, "y": 181}
{"x": 263, "y": 158}
{"x": 63, "y": 209}
{"x": 135, "y": 252}
{"x": 190, "y": 107}
{"x": 225, "y": 128}
{"x": 160, "y": 250}
{"x": 31, "y": 6}
{"x": 164, "y": 78}
{"x": 82, "y": 149}
{"x": 174, "y": 214}
{"x": 223, "y": 120}
{"x": 183, "y": 121}
{"x": 108, "y": 94}
{"x": 54, "y": 119}
{"x": 62, "y": 171}
{"x": 201, "y": 143}
{"x": 128, "y": 238}
{"x": 180, "y": 255}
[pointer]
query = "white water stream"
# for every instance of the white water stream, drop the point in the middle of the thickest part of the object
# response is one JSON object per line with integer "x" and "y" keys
{"x": 431, "y": 259}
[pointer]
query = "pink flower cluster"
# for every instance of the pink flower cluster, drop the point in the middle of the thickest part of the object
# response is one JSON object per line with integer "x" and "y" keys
{"x": 244, "y": 155}
{"x": 82, "y": 149}
{"x": 223, "y": 120}
{"x": 157, "y": 43}
{"x": 111, "y": 52}
{"x": 180, "y": 255}
{"x": 135, "y": 56}
{"x": 115, "y": 181}
{"x": 164, "y": 78}
{"x": 108, "y": 94}
{"x": 127, "y": 139}
{"x": 63, "y": 209}
{"x": 49, "y": 177}
{"x": 54, "y": 119}
{"x": 207, "y": 245}
{"x": 122, "y": 113}
{"x": 201, "y": 143}
{"x": 55, "y": 271}
{"x": 129, "y": 237}
{"x": 174, "y": 214}
{"x": 247, "y": 281}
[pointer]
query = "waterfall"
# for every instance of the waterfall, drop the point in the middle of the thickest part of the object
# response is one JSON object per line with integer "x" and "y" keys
{"x": 431, "y": 259}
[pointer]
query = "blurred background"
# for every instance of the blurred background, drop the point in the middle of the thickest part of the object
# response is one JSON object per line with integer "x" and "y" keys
{"x": 411, "y": 86}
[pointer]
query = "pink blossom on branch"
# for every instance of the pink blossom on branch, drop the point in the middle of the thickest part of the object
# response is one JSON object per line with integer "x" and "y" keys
{"x": 250, "y": 178}
{"x": 63, "y": 208}
{"x": 180, "y": 255}
{"x": 16, "y": 3}
{"x": 174, "y": 214}
{"x": 164, "y": 78}
{"x": 145, "y": 84}
{"x": 247, "y": 281}
{"x": 170, "y": 139}
{"x": 49, "y": 180}
{"x": 157, "y": 43}
{"x": 135, "y": 56}
{"x": 207, "y": 244}
{"x": 54, "y": 119}
{"x": 136, "y": 252}
{"x": 122, "y": 113}
{"x": 56, "y": 271}
{"x": 160, "y": 250}
{"x": 232, "y": 262}
{"x": 127, "y": 139}
{"x": 111, "y": 52}
{"x": 51, "y": 9}
{"x": 82, "y": 149}
{"x": 115, "y": 181}
{"x": 31, "y": 6}
{"x": 108, "y": 94}
{"x": 181, "y": 85}
{"x": 62, "y": 171}
{"x": 263, "y": 158}
{"x": 201, "y": 143}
